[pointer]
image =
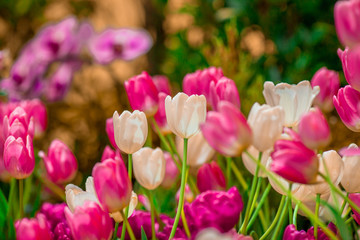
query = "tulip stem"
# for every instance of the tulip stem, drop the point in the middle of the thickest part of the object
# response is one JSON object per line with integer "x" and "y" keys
{"x": 12, "y": 195}
{"x": 295, "y": 214}
{"x": 52, "y": 186}
{"x": 343, "y": 206}
{"x": 128, "y": 227}
{"x": 115, "y": 230}
{"x": 21, "y": 191}
{"x": 282, "y": 218}
{"x": 290, "y": 206}
{"x": 317, "y": 206}
{"x": 228, "y": 171}
{"x": 152, "y": 212}
{"x": 186, "y": 227}
{"x": 239, "y": 176}
{"x": 184, "y": 171}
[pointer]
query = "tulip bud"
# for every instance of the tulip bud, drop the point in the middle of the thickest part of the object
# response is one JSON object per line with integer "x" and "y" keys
{"x": 329, "y": 83}
{"x": 266, "y": 124}
{"x": 227, "y": 130}
{"x": 355, "y": 197}
{"x": 199, "y": 151}
{"x": 314, "y": 130}
{"x": 89, "y": 222}
{"x": 149, "y": 167}
{"x": 210, "y": 177}
{"x": 162, "y": 84}
{"x": 109, "y": 153}
{"x": 294, "y": 99}
{"x": 18, "y": 124}
{"x": 171, "y": 172}
{"x": 350, "y": 59}
{"x": 109, "y": 128}
{"x": 160, "y": 116}
{"x": 224, "y": 90}
{"x": 293, "y": 161}
{"x": 144, "y": 200}
{"x": 347, "y": 22}
{"x": 33, "y": 229}
{"x": 351, "y": 159}
{"x": 142, "y": 94}
{"x": 291, "y": 233}
{"x": 19, "y": 157}
{"x": 130, "y": 130}
{"x": 346, "y": 105}
{"x": 112, "y": 185}
{"x": 184, "y": 114}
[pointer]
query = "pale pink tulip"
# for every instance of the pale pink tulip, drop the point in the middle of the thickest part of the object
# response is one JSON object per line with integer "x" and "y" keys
{"x": 351, "y": 159}
{"x": 171, "y": 172}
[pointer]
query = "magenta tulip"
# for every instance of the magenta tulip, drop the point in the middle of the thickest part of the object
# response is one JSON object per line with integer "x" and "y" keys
{"x": 346, "y": 104}
{"x": 37, "y": 110}
{"x": 142, "y": 94}
{"x": 171, "y": 172}
{"x": 18, "y": 124}
{"x": 350, "y": 59}
{"x": 227, "y": 130}
{"x": 329, "y": 83}
{"x": 112, "y": 185}
{"x": 33, "y": 229}
{"x": 210, "y": 177}
{"x": 224, "y": 90}
{"x": 160, "y": 116}
{"x": 89, "y": 222}
{"x": 291, "y": 233}
{"x": 109, "y": 153}
{"x": 355, "y": 197}
{"x": 109, "y": 128}
{"x": 162, "y": 84}
{"x": 60, "y": 163}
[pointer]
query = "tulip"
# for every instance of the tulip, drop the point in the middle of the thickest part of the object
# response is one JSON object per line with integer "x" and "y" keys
{"x": 266, "y": 124}
{"x": 37, "y": 110}
{"x": 227, "y": 130}
{"x": 250, "y": 165}
{"x": 112, "y": 185}
{"x": 184, "y": 114}
{"x": 350, "y": 59}
{"x": 144, "y": 200}
{"x": 109, "y": 128}
{"x": 149, "y": 167}
{"x": 132, "y": 205}
{"x": 351, "y": 159}
{"x": 294, "y": 99}
{"x": 162, "y": 84}
{"x": 109, "y": 153}
{"x": 346, "y": 105}
{"x": 18, "y": 124}
{"x": 33, "y": 229}
{"x": 291, "y": 233}
{"x": 130, "y": 130}
{"x": 355, "y": 197}
{"x": 347, "y": 22}
{"x": 60, "y": 163}
{"x": 293, "y": 161}
{"x": 188, "y": 194}
{"x": 210, "y": 177}
{"x": 160, "y": 116}
{"x": 199, "y": 81}
{"x": 123, "y": 43}
{"x": 329, "y": 83}
{"x": 89, "y": 222}
{"x": 314, "y": 130}
{"x": 142, "y": 94}
{"x": 199, "y": 151}
{"x": 224, "y": 90}
{"x": 213, "y": 234}
{"x": 19, "y": 157}
{"x": 171, "y": 172}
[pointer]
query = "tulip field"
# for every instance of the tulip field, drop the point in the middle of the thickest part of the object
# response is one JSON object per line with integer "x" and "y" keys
{"x": 179, "y": 119}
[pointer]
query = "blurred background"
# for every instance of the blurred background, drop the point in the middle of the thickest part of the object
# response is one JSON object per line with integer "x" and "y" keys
{"x": 251, "y": 40}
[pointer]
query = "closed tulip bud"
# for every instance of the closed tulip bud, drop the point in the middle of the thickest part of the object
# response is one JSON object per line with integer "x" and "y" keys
{"x": 130, "y": 130}
{"x": 162, "y": 84}
{"x": 37, "y": 110}
{"x": 314, "y": 130}
{"x": 347, "y": 22}
{"x": 210, "y": 177}
{"x": 171, "y": 172}
{"x": 250, "y": 165}
{"x": 224, "y": 90}
{"x": 294, "y": 99}
{"x": 346, "y": 106}
{"x": 160, "y": 116}
{"x": 112, "y": 185}
{"x": 291, "y": 233}
{"x": 227, "y": 130}
{"x": 89, "y": 222}
{"x": 350, "y": 59}
{"x": 109, "y": 153}
{"x": 295, "y": 162}
{"x": 355, "y": 197}
{"x": 109, "y": 128}
{"x": 149, "y": 167}
{"x": 33, "y": 229}
{"x": 351, "y": 159}
{"x": 329, "y": 83}
{"x": 184, "y": 114}
{"x": 142, "y": 94}
{"x": 19, "y": 157}
{"x": 266, "y": 124}
{"x": 60, "y": 163}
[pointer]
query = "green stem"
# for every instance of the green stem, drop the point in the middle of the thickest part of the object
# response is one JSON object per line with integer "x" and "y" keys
{"x": 128, "y": 227}
{"x": 257, "y": 191}
{"x": 152, "y": 212}
{"x": 162, "y": 139}
{"x": 282, "y": 219}
{"x": 290, "y": 206}
{"x": 21, "y": 204}
{"x": 186, "y": 226}
{"x": 123, "y": 230}
{"x": 295, "y": 214}
{"x": 148, "y": 142}
{"x": 317, "y": 206}
{"x": 277, "y": 216}
{"x": 52, "y": 186}
{"x": 182, "y": 190}
{"x": 228, "y": 171}
{"x": 239, "y": 176}
{"x": 12, "y": 195}
{"x": 116, "y": 230}
{"x": 173, "y": 147}
{"x": 349, "y": 220}
{"x": 343, "y": 205}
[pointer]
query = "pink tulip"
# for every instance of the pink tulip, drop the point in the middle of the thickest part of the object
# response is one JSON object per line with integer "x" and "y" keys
{"x": 171, "y": 172}
{"x": 350, "y": 59}
{"x": 188, "y": 195}
{"x": 19, "y": 157}
{"x": 346, "y": 104}
{"x": 142, "y": 94}
{"x": 293, "y": 161}
{"x": 314, "y": 130}
{"x": 199, "y": 81}
{"x": 89, "y": 222}
{"x": 37, "y": 110}
{"x": 18, "y": 124}
{"x": 160, "y": 116}
{"x": 291, "y": 233}
{"x": 347, "y": 22}
{"x": 60, "y": 163}
{"x": 355, "y": 197}
{"x": 227, "y": 130}
{"x": 109, "y": 128}
{"x": 109, "y": 153}
{"x": 210, "y": 177}
{"x": 112, "y": 185}
{"x": 162, "y": 84}
{"x": 329, "y": 83}
{"x": 33, "y": 229}
{"x": 224, "y": 90}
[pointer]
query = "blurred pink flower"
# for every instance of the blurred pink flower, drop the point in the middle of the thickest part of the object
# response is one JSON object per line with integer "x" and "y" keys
{"x": 350, "y": 59}
{"x": 223, "y": 90}
{"x": 109, "y": 153}
{"x": 109, "y": 128}
{"x": 33, "y": 229}
{"x": 162, "y": 84}
{"x": 160, "y": 116}
{"x": 171, "y": 172}
{"x": 210, "y": 177}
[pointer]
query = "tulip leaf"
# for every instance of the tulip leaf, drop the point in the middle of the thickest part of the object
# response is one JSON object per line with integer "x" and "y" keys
{"x": 143, "y": 234}
{"x": 3, "y": 209}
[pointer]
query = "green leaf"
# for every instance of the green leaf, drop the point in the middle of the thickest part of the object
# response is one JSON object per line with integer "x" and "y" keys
{"x": 143, "y": 234}
{"x": 3, "y": 209}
